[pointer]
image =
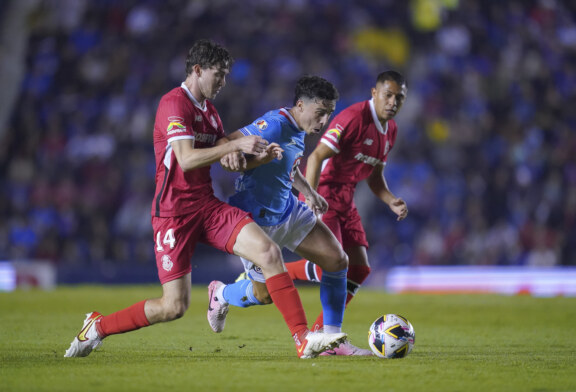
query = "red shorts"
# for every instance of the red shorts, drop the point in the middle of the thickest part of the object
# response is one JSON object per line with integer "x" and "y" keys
{"x": 342, "y": 217}
{"x": 216, "y": 224}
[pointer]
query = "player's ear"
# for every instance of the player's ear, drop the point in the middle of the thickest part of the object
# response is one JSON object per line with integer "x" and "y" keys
{"x": 197, "y": 69}
{"x": 300, "y": 105}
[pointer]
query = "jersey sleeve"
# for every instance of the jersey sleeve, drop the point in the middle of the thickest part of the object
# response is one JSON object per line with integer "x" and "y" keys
{"x": 337, "y": 131}
{"x": 266, "y": 127}
{"x": 173, "y": 118}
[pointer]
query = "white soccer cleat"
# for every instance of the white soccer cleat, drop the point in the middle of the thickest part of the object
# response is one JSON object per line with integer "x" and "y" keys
{"x": 348, "y": 348}
{"x": 87, "y": 340}
{"x": 217, "y": 310}
{"x": 315, "y": 343}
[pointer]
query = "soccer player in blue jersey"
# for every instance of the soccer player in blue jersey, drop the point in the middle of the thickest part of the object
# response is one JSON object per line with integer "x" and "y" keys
{"x": 265, "y": 190}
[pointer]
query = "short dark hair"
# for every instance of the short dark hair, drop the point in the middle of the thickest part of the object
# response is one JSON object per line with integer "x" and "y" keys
{"x": 391, "y": 76}
{"x": 315, "y": 87}
{"x": 207, "y": 54}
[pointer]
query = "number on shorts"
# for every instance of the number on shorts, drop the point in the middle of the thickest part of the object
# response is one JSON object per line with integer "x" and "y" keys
{"x": 169, "y": 239}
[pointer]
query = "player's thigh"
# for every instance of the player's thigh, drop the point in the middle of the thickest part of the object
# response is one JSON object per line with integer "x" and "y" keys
{"x": 357, "y": 255}
{"x": 322, "y": 248}
{"x": 253, "y": 243}
{"x": 175, "y": 240}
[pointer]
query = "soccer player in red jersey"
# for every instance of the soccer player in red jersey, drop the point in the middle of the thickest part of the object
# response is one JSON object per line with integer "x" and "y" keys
{"x": 188, "y": 138}
{"x": 355, "y": 147}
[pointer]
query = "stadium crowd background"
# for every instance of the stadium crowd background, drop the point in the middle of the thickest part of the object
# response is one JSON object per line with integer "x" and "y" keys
{"x": 486, "y": 155}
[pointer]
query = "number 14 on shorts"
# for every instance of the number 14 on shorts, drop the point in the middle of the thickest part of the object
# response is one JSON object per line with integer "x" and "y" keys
{"x": 168, "y": 240}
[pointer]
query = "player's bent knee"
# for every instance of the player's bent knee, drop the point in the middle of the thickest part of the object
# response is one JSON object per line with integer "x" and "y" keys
{"x": 174, "y": 310}
{"x": 264, "y": 299}
{"x": 261, "y": 293}
{"x": 338, "y": 262}
{"x": 270, "y": 259}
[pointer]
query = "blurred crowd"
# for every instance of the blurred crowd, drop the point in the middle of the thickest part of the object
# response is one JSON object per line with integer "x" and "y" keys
{"x": 485, "y": 158}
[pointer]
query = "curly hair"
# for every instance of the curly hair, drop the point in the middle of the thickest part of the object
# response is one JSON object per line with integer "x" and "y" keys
{"x": 207, "y": 54}
{"x": 315, "y": 87}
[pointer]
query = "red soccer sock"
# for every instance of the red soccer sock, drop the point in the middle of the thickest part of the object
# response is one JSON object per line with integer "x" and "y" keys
{"x": 304, "y": 270}
{"x": 125, "y": 320}
{"x": 287, "y": 300}
{"x": 357, "y": 274}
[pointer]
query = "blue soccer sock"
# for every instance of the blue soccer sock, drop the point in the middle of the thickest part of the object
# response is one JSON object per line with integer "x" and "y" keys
{"x": 333, "y": 297}
{"x": 240, "y": 294}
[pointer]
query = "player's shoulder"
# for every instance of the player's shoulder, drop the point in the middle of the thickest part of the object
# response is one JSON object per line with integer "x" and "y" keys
{"x": 356, "y": 108}
{"x": 270, "y": 119}
{"x": 176, "y": 96}
{"x": 352, "y": 116}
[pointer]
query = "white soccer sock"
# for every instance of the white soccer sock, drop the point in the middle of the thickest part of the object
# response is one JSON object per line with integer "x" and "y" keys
{"x": 332, "y": 329}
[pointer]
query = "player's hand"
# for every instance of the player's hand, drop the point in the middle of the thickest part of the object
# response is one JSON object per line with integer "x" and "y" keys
{"x": 399, "y": 207}
{"x": 317, "y": 203}
{"x": 235, "y": 161}
{"x": 252, "y": 144}
{"x": 273, "y": 151}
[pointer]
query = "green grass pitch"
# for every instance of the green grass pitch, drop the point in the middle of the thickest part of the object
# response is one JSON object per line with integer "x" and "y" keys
{"x": 463, "y": 343}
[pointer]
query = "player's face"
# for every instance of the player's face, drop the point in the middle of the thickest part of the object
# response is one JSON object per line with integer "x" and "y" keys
{"x": 388, "y": 99}
{"x": 315, "y": 114}
{"x": 212, "y": 80}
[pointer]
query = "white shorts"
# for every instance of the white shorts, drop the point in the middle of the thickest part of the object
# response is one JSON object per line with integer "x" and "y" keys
{"x": 287, "y": 235}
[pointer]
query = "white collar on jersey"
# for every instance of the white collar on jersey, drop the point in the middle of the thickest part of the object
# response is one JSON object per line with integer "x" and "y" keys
{"x": 286, "y": 112}
{"x": 375, "y": 118}
{"x": 194, "y": 101}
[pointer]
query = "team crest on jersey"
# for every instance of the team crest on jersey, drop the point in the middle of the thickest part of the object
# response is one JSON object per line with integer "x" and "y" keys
{"x": 213, "y": 122}
{"x": 261, "y": 124}
{"x": 167, "y": 263}
{"x": 175, "y": 125}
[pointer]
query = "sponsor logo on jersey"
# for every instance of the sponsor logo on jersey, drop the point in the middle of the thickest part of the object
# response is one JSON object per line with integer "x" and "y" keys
{"x": 261, "y": 124}
{"x": 368, "y": 142}
{"x": 175, "y": 125}
{"x": 205, "y": 138}
{"x": 367, "y": 159}
{"x": 167, "y": 263}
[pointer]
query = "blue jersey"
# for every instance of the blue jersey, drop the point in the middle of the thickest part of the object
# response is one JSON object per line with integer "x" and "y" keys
{"x": 266, "y": 191}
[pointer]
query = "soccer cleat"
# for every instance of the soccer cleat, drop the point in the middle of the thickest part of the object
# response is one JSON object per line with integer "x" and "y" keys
{"x": 87, "y": 340}
{"x": 216, "y": 310}
{"x": 347, "y": 348}
{"x": 316, "y": 342}
{"x": 242, "y": 276}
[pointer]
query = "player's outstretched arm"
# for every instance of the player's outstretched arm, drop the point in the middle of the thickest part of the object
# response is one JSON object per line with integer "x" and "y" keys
{"x": 379, "y": 186}
{"x": 314, "y": 200}
{"x": 314, "y": 165}
{"x": 237, "y": 162}
{"x": 190, "y": 158}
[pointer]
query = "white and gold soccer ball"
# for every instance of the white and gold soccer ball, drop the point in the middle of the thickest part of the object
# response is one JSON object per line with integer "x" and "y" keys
{"x": 391, "y": 336}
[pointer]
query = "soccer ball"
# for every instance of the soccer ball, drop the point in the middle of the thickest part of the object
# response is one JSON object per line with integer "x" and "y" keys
{"x": 391, "y": 336}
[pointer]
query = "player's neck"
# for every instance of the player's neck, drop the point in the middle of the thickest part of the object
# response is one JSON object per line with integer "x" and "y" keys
{"x": 295, "y": 116}
{"x": 194, "y": 89}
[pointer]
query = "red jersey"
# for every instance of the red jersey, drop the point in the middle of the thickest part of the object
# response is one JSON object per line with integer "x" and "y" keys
{"x": 180, "y": 116}
{"x": 360, "y": 142}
